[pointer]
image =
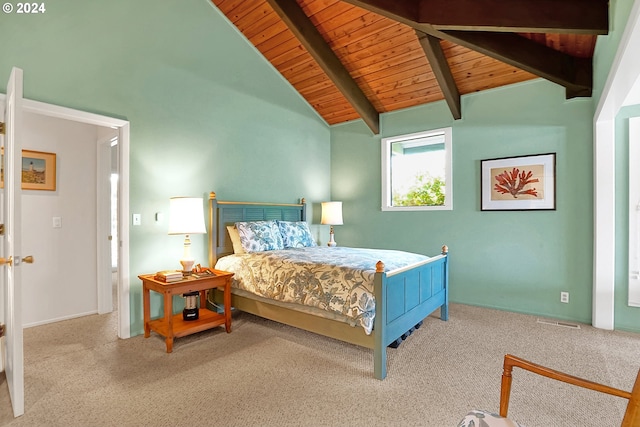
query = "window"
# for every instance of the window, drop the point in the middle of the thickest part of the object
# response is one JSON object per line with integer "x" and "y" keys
{"x": 416, "y": 171}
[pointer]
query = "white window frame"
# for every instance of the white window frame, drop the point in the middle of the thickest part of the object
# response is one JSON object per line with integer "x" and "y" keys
{"x": 386, "y": 170}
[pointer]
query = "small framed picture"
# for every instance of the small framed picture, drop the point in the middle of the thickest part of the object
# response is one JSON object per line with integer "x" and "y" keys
{"x": 38, "y": 170}
{"x": 518, "y": 183}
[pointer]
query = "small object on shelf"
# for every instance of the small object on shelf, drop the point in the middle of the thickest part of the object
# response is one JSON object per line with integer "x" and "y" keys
{"x": 190, "y": 311}
{"x": 200, "y": 271}
{"x": 169, "y": 276}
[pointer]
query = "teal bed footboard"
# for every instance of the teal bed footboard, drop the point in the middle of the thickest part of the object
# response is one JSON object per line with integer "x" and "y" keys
{"x": 404, "y": 297}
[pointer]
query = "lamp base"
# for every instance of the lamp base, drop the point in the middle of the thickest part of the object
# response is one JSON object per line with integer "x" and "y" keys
{"x": 332, "y": 243}
{"x": 187, "y": 265}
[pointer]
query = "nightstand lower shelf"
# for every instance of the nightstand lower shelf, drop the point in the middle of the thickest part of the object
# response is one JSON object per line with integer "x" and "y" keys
{"x": 207, "y": 319}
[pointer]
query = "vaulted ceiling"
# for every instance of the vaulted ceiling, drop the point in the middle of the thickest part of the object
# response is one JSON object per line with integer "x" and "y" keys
{"x": 358, "y": 58}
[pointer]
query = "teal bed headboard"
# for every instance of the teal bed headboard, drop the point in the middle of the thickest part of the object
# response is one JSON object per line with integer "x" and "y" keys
{"x": 224, "y": 213}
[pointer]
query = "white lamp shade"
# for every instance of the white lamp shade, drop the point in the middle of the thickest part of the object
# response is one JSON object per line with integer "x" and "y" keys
{"x": 331, "y": 213}
{"x": 186, "y": 216}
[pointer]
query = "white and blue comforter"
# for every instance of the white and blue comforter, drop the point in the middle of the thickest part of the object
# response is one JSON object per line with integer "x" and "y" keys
{"x": 338, "y": 280}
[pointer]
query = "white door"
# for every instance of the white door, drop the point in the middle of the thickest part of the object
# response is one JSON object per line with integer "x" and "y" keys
{"x": 11, "y": 255}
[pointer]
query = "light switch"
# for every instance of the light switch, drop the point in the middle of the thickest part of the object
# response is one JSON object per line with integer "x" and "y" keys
{"x": 137, "y": 220}
{"x": 57, "y": 222}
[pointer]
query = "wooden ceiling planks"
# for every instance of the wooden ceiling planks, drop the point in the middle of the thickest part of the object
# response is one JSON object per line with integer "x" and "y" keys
{"x": 383, "y": 57}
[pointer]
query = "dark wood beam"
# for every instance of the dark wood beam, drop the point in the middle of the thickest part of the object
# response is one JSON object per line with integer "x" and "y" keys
{"x": 575, "y": 74}
{"x": 404, "y": 11}
{"x": 475, "y": 16}
{"x": 440, "y": 67}
{"x": 524, "y": 16}
{"x": 312, "y": 40}
{"x": 518, "y": 16}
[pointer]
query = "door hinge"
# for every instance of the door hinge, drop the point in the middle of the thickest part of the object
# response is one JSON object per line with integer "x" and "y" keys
{"x": 1, "y": 229}
{"x": 2, "y": 128}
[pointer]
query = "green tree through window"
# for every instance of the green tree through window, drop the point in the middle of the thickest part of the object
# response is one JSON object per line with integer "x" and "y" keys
{"x": 427, "y": 191}
{"x": 417, "y": 171}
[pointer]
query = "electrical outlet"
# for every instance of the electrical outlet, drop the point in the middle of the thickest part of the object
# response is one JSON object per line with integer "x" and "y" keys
{"x": 564, "y": 297}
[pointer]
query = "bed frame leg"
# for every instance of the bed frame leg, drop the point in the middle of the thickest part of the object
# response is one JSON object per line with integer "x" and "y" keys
{"x": 380, "y": 362}
{"x": 444, "y": 312}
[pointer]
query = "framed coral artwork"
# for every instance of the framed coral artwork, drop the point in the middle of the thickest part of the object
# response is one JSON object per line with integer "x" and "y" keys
{"x": 519, "y": 183}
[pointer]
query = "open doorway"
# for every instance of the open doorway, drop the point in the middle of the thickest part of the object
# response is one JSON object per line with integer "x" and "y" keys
{"x": 118, "y": 298}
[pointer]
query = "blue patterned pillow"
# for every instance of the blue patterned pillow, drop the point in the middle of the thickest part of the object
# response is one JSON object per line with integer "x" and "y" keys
{"x": 296, "y": 234}
{"x": 258, "y": 236}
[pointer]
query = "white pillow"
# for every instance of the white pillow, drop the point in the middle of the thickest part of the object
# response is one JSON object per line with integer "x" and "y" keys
{"x": 235, "y": 239}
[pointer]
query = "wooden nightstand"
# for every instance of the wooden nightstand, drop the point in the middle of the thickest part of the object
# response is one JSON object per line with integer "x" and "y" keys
{"x": 172, "y": 325}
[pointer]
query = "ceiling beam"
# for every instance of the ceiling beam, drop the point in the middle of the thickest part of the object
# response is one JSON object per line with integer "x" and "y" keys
{"x": 524, "y": 16}
{"x": 575, "y": 74}
{"x": 440, "y": 67}
{"x": 518, "y": 16}
{"x": 576, "y": 16}
{"x": 312, "y": 40}
{"x": 404, "y": 11}
{"x": 400, "y": 9}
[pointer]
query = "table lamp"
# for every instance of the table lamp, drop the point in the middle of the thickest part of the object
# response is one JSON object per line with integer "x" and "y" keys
{"x": 331, "y": 215}
{"x": 186, "y": 216}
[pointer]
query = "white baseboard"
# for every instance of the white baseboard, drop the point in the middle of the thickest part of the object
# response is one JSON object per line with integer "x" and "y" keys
{"x": 59, "y": 319}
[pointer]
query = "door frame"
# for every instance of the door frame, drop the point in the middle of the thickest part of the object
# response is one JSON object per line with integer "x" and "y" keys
{"x": 623, "y": 74}
{"x": 123, "y": 127}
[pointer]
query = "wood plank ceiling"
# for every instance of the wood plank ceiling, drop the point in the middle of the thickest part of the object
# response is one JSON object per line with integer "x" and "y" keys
{"x": 356, "y": 59}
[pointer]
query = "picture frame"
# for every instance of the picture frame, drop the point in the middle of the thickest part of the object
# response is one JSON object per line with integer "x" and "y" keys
{"x": 38, "y": 170}
{"x": 518, "y": 183}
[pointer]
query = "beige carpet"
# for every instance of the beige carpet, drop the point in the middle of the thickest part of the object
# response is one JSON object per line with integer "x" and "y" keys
{"x": 78, "y": 373}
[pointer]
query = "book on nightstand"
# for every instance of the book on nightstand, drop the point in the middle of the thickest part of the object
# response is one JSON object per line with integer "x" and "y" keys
{"x": 168, "y": 276}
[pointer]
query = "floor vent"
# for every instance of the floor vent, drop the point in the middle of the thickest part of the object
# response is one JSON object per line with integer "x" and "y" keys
{"x": 559, "y": 323}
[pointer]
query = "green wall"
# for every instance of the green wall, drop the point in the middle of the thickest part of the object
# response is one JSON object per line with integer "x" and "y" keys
{"x": 207, "y": 112}
{"x": 607, "y": 45}
{"x": 517, "y": 261}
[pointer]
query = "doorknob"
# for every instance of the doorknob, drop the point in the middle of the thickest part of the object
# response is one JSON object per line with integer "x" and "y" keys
{"x": 28, "y": 259}
{"x": 8, "y": 261}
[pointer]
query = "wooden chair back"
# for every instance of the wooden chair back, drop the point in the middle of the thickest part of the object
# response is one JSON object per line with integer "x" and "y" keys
{"x": 632, "y": 413}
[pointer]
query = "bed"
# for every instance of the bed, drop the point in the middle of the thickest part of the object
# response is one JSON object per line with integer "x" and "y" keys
{"x": 403, "y": 296}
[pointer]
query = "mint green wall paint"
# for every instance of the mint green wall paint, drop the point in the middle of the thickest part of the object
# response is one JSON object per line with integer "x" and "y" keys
{"x": 607, "y": 45}
{"x": 626, "y": 317}
{"x": 517, "y": 261}
{"x": 207, "y": 112}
